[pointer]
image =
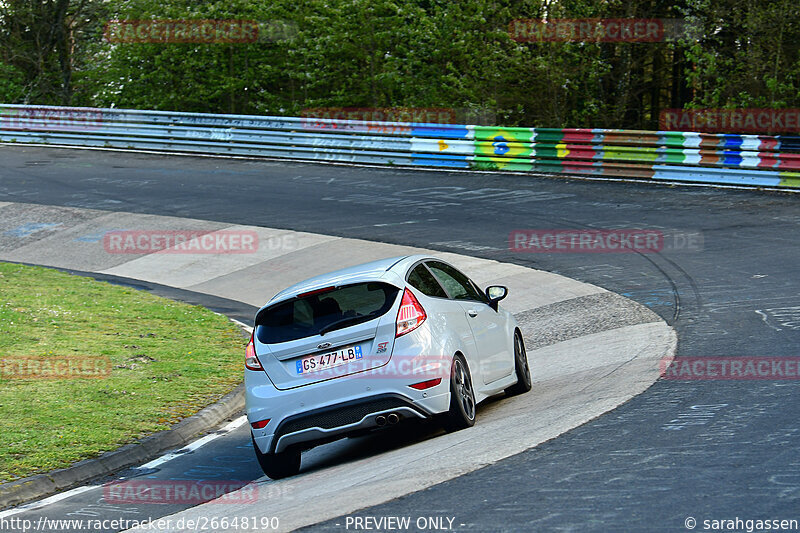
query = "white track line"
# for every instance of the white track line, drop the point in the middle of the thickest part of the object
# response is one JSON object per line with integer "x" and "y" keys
{"x": 202, "y": 441}
{"x": 248, "y": 329}
{"x": 47, "y": 501}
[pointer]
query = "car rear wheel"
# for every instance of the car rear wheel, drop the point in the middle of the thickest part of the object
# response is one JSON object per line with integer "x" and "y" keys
{"x": 461, "y": 414}
{"x": 278, "y": 465}
{"x": 522, "y": 368}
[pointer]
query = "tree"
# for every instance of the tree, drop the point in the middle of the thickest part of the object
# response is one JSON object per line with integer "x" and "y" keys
{"x": 11, "y": 89}
{"x": 43, "y": 41}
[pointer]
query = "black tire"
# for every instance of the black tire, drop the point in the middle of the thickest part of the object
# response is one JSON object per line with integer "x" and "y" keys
{"x": 278, "y": 465}
{"x": 461, "y": 414}
{"x": 521, "y": 367}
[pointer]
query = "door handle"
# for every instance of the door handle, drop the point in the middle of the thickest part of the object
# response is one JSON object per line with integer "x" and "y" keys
{"x": 473, "y": 313}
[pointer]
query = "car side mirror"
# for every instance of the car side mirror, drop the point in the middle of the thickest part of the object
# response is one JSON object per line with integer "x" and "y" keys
{"x": 495, "y": 293}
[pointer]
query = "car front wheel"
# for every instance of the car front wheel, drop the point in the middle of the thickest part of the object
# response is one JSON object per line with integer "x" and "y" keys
{"x": 521, "y": 367}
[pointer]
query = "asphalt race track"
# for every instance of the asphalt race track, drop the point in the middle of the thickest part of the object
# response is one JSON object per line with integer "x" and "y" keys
{"x": 590, "y": 351}
{"x": 711, "y": 449}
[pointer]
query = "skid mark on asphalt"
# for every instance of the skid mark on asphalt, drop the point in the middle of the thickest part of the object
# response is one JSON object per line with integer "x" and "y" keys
{"x": 786, "y": 317}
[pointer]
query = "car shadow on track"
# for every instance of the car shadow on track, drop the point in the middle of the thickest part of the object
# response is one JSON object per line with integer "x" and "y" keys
{"x": 351, "y": 449}
{"x": 369, "y": 445}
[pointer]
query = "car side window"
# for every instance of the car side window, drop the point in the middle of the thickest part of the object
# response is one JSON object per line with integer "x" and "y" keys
{"x": 420, "y": 278}
{"x": 457, "y": 284}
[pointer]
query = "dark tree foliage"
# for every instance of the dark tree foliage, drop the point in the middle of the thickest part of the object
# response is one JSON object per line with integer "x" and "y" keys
{"x": 407, "y": 53}
{"x": 43, "y": 45}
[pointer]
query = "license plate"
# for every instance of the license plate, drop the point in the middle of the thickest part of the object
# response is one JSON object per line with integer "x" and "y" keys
{"x": 315, "y": 363}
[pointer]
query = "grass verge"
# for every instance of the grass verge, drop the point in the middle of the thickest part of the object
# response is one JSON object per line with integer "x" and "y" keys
{"x": 152, "y": 362}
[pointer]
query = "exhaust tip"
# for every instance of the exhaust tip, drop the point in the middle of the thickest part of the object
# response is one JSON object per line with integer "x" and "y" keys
{"x": 380, "y": 420}
{"x": 392, "y": 418}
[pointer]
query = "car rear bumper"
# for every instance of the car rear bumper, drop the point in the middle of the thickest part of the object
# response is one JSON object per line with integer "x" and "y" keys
{"x": 332, "y": 409}
{"x": 338, "y": 420}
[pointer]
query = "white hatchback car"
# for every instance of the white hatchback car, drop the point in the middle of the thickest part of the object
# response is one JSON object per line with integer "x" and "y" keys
{"x": 368, "y": 346}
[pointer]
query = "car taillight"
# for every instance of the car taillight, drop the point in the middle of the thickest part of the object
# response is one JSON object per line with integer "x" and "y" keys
{"x": 411, "y": 314}
{"x": 250, "y": 358}
{"x": 260, "y": 424}
{"x": 422, "y": 385}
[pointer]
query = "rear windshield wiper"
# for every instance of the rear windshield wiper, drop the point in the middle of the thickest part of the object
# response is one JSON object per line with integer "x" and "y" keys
{"x": 344, "y": 322}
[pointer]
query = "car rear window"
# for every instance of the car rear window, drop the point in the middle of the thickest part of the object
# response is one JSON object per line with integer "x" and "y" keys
{"x": 338, "y": 308}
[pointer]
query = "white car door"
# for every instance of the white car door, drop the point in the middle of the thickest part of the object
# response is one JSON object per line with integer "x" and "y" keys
{"x": 487, "y": 325}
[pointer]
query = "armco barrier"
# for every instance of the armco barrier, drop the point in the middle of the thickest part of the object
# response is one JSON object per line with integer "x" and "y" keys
{"x": 755, "y": 160}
